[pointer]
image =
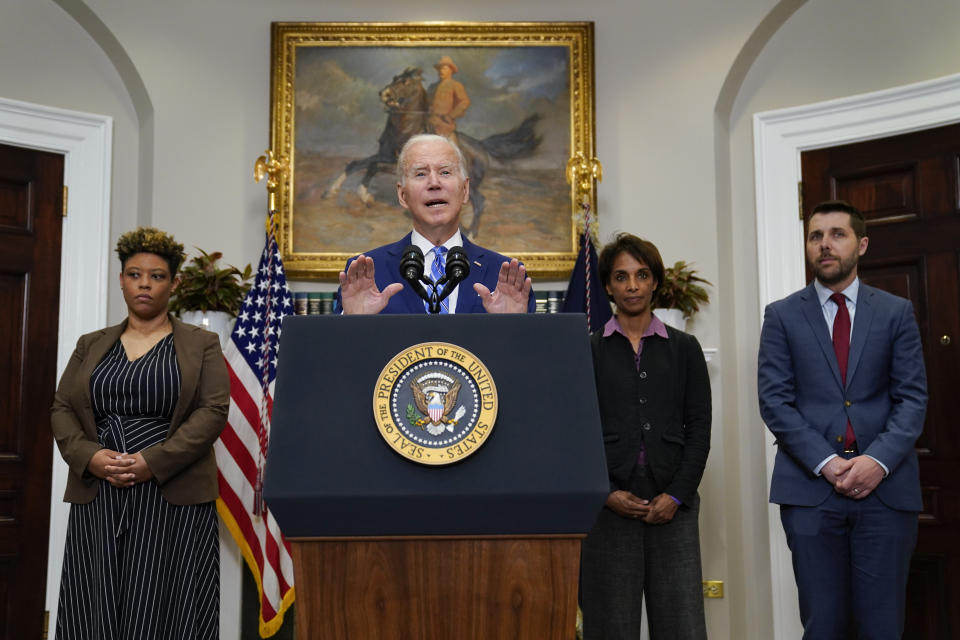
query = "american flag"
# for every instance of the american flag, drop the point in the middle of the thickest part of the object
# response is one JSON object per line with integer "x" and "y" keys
{"x": 251, "y": 356}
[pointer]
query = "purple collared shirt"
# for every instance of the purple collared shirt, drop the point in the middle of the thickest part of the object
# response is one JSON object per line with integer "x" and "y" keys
{"x": 655, "y": 328}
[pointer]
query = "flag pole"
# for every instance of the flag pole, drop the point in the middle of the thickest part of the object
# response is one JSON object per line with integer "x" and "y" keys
{"x": 583, "y": 174}
{"x": 273, "y": 168}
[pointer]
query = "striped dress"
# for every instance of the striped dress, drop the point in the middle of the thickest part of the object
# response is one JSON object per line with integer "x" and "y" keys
{"x": 135, "y": 566}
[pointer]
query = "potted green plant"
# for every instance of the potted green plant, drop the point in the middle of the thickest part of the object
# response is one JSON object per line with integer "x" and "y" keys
{"x": 208, "y": 295}
{"x": 680, "y": 295}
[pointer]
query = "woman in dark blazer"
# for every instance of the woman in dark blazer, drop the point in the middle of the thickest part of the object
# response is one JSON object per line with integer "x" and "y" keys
{"x": 136, "y": 414}
{"x": 655, "y": 408}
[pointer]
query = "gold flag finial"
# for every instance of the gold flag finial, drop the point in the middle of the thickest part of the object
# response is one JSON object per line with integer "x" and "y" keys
{"x": 581, "y": 172}
{"x": 273, "y": 168}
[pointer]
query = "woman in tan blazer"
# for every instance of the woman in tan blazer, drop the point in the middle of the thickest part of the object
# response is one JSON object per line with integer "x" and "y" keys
{"x": 136, "y": 414}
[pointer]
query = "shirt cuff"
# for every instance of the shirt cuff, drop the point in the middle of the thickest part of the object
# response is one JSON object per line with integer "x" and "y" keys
{"x": 678, "y": 502}
{"x": 816, "y": 470}
{"x": 886, "y": 471}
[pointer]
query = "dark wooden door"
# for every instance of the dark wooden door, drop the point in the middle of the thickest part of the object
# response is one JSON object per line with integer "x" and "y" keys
{"x": 31, "y": 197}
{"x": 907, "y": 187}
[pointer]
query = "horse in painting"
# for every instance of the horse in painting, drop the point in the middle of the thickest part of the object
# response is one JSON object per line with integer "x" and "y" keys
{"x": 406, "y": 103}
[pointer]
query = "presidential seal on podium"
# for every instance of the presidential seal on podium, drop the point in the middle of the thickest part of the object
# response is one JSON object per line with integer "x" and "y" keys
{"x": 435, "y": 403}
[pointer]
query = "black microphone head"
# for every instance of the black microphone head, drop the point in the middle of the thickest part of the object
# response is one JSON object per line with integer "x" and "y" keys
{"x": 457, "y": 266}
{"x": 411, "y": 263}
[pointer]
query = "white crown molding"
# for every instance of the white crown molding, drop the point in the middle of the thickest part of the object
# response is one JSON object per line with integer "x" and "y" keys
{"x": 779, "y": 138}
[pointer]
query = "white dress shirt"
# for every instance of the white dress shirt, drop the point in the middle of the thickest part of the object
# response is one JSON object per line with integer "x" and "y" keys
{"x": 830, "y": 308}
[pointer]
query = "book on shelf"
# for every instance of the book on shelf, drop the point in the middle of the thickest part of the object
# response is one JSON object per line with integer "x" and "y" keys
{"x": 554, "y": 301}
{"x": 549, "y": 301}
{"x": 300, "y": 303}
{"x": 313, "y": 303}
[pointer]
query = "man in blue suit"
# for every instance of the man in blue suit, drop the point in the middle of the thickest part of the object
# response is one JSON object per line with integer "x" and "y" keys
{"x": 842, "y": 387}
{"x": 432, "y": 184}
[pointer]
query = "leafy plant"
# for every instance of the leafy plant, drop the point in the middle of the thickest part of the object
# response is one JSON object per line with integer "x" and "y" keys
{"x": 681, "y": 289}
{"x": 206, "y": 287}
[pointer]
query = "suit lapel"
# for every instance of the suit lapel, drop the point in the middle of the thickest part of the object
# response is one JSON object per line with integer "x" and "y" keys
{"x": 466, "y": 301}
{"x": 187, "y": 348}
{"x": 813, "y": 313}
{"x": 861, "y": 327}
{"x": 100, "y": 346}
{"x": 411, "y": 302}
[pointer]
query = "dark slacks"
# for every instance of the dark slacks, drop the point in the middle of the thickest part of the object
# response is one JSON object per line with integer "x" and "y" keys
{"x": 624, "y": 560}
{"x": 851, "y": 559}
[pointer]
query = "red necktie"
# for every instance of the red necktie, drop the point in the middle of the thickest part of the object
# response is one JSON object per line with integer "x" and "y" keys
{"x": 841, "y": 346}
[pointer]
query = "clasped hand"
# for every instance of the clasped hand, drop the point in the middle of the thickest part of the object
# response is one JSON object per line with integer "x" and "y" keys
{"x": 855, "y": 478}
{"x": 660, "y": 510}
{"x": 122, "y": 470}
{"x": 359, "y": 292}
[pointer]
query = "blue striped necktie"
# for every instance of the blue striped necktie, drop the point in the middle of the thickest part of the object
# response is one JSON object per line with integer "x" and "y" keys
{"x": 437, "y": 269}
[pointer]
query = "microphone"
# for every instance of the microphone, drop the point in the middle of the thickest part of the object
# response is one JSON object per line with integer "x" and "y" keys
{"x": 411, "y": 268}
{"x": 411, "y": 263}
{"x": 456, "y": 270}
{"x": 458, "y": 265}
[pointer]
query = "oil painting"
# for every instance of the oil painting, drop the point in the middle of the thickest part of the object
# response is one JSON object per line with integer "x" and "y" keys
{"x": 351, "y": 102}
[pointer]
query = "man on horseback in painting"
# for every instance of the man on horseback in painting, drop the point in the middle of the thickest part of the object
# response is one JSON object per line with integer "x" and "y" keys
{"x": 432, "y": 184}
{"x": 448, "y": 101}
{"x": 412, "y": 110}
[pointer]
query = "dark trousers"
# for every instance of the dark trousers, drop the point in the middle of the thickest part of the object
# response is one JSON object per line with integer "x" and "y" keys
{"x": 624, "y": 560}
{"x": 851, "y": 559}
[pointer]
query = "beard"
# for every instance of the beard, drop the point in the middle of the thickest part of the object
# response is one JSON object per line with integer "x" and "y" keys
{"x": 832, "y": 275}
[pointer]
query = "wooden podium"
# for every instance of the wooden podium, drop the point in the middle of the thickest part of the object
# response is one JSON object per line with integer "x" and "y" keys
{"x": 436, "y": 588}
{"x": 385, "y": 548}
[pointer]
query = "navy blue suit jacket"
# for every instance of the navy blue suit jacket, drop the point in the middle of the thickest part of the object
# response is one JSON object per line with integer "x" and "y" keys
{"x": 484, "y": 268}
{"x": 805, "y": 405}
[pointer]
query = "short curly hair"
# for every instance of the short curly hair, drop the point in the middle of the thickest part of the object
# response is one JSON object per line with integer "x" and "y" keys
{"x": 151, "y": 240}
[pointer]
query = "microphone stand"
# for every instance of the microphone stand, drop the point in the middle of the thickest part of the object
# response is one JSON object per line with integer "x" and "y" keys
{"x": 412, "y": 270}
{"x": 435, "y": 297}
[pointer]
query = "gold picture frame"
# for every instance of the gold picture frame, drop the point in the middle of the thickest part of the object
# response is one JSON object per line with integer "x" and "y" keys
{"x": 337, "y": 112}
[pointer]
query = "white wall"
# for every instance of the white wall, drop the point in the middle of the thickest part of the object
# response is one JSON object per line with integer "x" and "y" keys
{"x": 675, "y": 171}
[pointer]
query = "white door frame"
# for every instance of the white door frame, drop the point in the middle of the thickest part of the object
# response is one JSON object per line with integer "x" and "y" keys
{"x": 86, "y": 141}
{"x": 779, "y": 138}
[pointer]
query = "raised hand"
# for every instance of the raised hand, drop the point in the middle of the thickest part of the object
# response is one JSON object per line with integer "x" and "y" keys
{"x": 512, "y": 293}
{"x": 358, "y": 288}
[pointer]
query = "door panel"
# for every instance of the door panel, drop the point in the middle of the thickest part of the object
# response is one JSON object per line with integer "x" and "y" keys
{"x": 12, "y": 293}
{"x": 31, "y": 187}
